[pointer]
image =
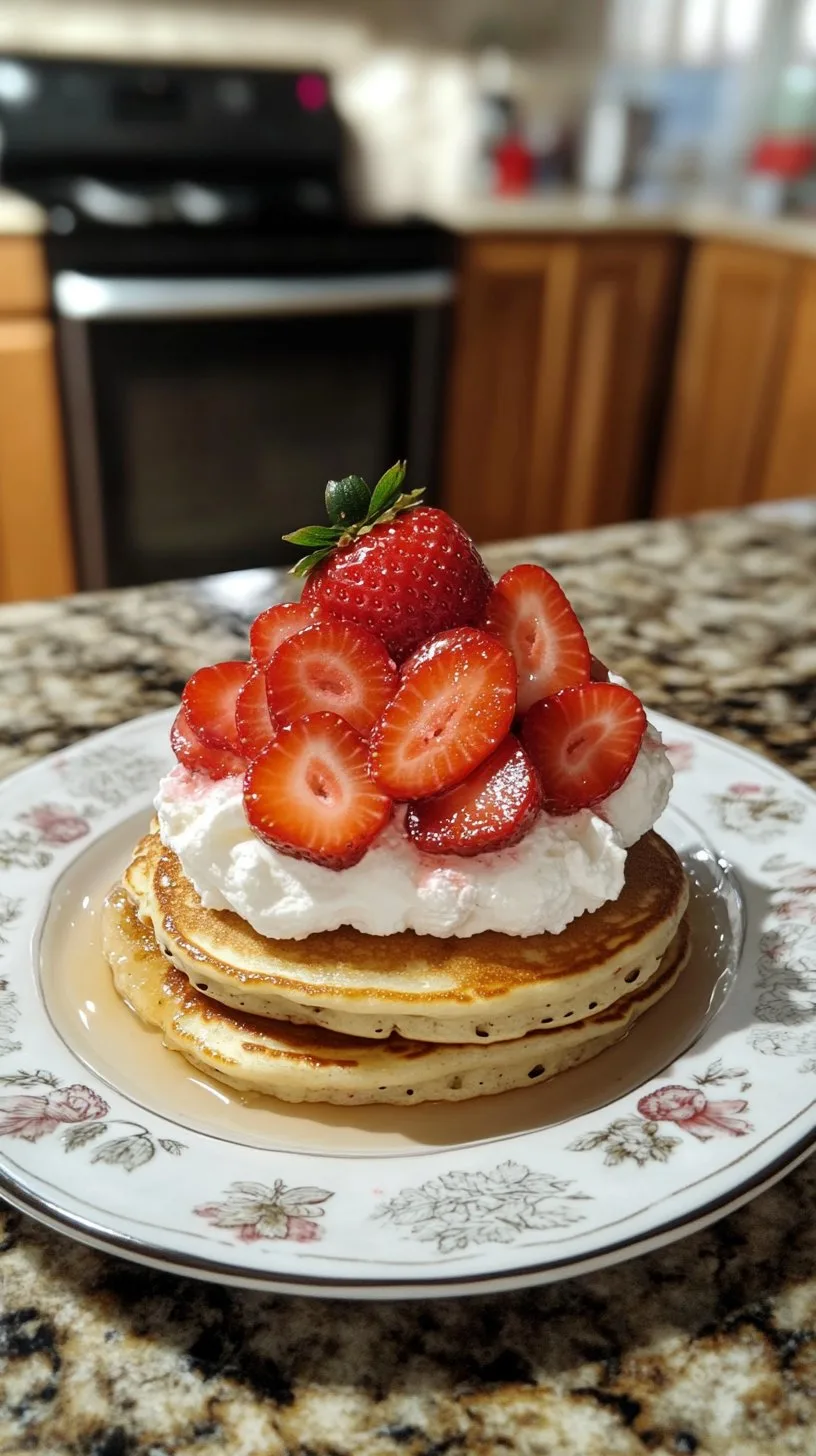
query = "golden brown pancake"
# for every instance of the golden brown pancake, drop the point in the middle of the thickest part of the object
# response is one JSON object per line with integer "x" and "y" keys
{"x": 299, "y": 1063}
{"x": 490, "y": 987}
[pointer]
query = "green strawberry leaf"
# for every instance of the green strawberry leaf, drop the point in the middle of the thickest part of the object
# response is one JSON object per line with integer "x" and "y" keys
{"x": 347, "y": 500}
{"x": 307, "y": 563}
{"x": 315, "y": 536}
{"x": 387, "y": 489}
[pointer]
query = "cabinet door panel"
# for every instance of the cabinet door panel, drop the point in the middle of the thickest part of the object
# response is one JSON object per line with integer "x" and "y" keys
{"x": 619, "y": 340}
{"x": 558, "y": 362}
{"x": 734, "y": 331}
{"x": 35, "y": 544}
{"x": 509, "y": 362}
{"x": 790, "y": 469}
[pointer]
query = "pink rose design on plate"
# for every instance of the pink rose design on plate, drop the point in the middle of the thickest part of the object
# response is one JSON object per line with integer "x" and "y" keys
{"x": 690, "y": 1109}
{"x": 253, "y": 1211}
{"x": 680, "y": 755}
{"x": 56, "y": 825}
{"x": 31, "y": 1118}
{"x": 303, "y": 1230}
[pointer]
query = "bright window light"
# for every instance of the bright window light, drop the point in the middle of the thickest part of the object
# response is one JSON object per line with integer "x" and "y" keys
{"x": 654, "y": 29}
{"x": 807, "y": 27}
{"x": 742, "y": 24}
{"x": 698, "y": 29}
{"x": 641, "y": 29}
{"x": 624, "y": 16}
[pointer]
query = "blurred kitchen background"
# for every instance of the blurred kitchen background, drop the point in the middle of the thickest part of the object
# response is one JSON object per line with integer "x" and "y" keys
{"x": 560, "y": 253}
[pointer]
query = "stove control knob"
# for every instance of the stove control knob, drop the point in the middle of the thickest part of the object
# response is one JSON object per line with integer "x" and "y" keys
{"x": 236, "y": 95}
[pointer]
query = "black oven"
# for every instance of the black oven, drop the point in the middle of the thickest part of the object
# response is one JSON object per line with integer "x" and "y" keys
{"x": 230, "y": 336}
{"x": 204, "y": 415}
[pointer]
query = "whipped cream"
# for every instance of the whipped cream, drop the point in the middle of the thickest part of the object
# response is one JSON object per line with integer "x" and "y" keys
{"x": 563, "y": 867}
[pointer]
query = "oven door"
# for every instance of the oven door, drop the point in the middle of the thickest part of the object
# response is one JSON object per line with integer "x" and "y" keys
{"x": 206, "y": 415}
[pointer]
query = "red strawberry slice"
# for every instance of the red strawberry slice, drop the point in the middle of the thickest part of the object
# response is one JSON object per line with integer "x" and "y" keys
{"x": 494, "y": 807}
{"x": 274, "y": 625}
{"x": 531, "y": 615}
{"x": 209, "y": 701}
{"x": 309, "y": 793}
{"x": 253, "y": 720}
{"x": 452, "y": 708}
{"x": 429, "y": 649}
{"x": 583, "y": 741}
{"x": 217, "y": 763}
{"x": 332, "y": 667}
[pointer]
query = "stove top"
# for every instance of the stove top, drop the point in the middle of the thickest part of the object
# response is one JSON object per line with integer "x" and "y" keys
{"x": 134, "y": 146}
{"x": 191, "y": 171}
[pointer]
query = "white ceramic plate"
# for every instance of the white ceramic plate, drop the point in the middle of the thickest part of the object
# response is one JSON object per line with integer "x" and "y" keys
{"x": 108, "y": 1137}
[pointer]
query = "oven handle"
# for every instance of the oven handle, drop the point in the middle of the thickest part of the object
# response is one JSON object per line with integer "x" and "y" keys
{"x": 81, "y": 296}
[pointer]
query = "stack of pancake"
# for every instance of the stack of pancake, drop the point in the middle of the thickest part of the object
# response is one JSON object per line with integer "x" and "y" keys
{"x": 350, "y": 1018}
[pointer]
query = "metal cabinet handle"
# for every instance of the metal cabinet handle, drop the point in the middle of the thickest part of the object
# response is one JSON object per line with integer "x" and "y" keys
{"x": 81, "y": 296}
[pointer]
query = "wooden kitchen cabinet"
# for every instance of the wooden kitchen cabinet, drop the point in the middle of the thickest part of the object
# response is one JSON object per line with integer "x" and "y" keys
{"x": 560, "y": 354}
{"x": 739, "y": 307}
{"x": 789, "y": 468}
{"x": 36, "y": 557}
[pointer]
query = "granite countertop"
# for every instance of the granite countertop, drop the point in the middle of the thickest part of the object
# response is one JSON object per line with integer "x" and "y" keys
{"x": 708, "y": 1346}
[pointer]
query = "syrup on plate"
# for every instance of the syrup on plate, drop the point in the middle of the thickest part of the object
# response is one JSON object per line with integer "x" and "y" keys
{"x": 130, "y": 1057}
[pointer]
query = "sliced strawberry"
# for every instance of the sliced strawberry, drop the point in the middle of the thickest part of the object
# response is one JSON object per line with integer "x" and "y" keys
{"x": 431, "y": 647}
{"x": 598, "y": 671}
{"x": 253, "y": 720}
{"x": 332, "y": 667}
{"x": 583, "y": 741}
{"x": 531, "y": 615}
{"x": 274, "y": 625}
{"x": 209, "y": 700}
{"x": 217, "y": 763}
{"x": 494, "y": 807}
{"x": 309, "y": 793}
{"x": 452, "y": 708}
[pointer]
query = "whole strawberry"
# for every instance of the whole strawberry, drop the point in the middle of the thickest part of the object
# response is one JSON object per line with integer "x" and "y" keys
{"x": 405, "y": 571}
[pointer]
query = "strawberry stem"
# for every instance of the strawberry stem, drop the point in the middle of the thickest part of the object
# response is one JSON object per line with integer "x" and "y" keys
{"x": 354, "y": 509}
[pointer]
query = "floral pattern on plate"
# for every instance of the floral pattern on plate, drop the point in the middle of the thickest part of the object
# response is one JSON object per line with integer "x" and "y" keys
{"x": 31, "y": 1116}
{"x": 255, "y": 1211}
{"x": 641, "y": 1140}
{"x": 55, "y": 823}
{"x": 462, "y": 1208}
{"x": 680, "y": 754}
{"x": 795, "y": 897}
{"x": 757, "y": 811}
{"x": 9, "y": 1012}
{"x": 108, "y": 775}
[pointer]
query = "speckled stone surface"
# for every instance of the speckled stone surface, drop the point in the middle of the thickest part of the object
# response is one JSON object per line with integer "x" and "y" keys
{"x": 708, "y": 1346}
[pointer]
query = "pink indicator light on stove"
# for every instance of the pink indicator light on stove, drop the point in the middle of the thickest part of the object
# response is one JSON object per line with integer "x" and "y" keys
{"x": 312, "y": 91}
